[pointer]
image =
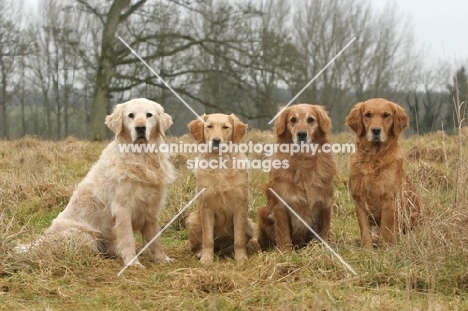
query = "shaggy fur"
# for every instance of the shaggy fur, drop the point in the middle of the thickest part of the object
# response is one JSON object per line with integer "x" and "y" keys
{"x": 220, "y": 222}
{"x": 306, "y": 185}
{"x": 123, "y": 192}
{"x": 383, "y": 195}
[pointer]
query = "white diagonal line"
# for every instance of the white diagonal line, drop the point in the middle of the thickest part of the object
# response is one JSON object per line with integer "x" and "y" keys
{"x": 313, "y": 79}
{"x": 160, "y": 232}
{"x": 161, "y": 79}
{"x": 315, "y": 233}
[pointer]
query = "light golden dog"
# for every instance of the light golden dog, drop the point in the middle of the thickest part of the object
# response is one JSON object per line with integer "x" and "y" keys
{"x": 123, "y": 192}
{"x": 220, "y": 222}
{"x": 382, "y": 194}
{"x": 306, "y": 185}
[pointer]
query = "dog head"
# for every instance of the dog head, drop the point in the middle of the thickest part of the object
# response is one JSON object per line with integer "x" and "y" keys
{"x": 303, "y": 123}
{"x": 377, "y": 120}
{"x": 138, "y": 120}
{"x": 217, "y": 129}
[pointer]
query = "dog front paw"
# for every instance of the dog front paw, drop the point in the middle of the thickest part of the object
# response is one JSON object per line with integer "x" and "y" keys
{"x": 163, "y": 259}
{"x": 206, "y": 260}
{"x": 136, "y": 264}
{"x": 239, "y": 256}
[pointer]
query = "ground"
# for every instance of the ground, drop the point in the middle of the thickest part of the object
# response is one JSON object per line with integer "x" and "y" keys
{"x": 425, "y": 270}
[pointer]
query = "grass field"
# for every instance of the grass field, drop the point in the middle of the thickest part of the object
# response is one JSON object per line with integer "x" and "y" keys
{"x": 424, "y": 270}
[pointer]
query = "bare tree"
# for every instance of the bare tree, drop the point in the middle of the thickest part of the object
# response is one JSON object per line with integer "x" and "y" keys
{"x": 116, "y": 61}
{"x": 243, "y": 59}
{"x": 10, "y": 50}
{"x": 219, "y": 74}
{"x": 117, "y": 12}
{"x": 275, "y": 59}
{"x": 382, "y": 62}
{"x": 159, "y": 35}
{"x": 22, "y": 92}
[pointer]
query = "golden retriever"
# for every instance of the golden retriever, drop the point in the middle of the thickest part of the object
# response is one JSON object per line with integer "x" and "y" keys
{"x": 382, "y": 194}
{"x": 220, "y": 222}
{"x": 306, "y": 185}
{"x": 124, "y": 191}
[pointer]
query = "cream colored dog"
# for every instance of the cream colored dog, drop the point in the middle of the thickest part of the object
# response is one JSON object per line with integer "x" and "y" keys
{"x": 123, "y": 192}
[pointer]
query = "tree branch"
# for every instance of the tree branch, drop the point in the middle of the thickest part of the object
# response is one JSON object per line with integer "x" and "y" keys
{"x": 132, "y": 9}
{"x": 92, "y": 10}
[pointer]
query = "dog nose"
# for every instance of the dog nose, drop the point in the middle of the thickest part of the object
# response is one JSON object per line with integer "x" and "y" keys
{"x": 302, "y": 135}
{"x": 140, "y": 128}
{"x": 216, "y": 141}
{"x": 376, "y": 130}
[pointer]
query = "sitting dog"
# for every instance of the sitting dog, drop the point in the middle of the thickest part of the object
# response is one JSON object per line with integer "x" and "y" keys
{"x": 123, "y": 192}
{"x": 306, "y": 185}
{"x": 220, "y": 222}
{"x": 384, "y": 198}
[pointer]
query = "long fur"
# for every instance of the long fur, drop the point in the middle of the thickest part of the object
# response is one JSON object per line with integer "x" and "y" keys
{"x": 123, "y": 192}
{"x": 381, "y": 191}
{"x": 306, "y": 185}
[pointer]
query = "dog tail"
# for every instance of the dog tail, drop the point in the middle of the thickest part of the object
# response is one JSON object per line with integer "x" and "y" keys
{"x": 64, "y": 231}
{"x": 266, "y": 228}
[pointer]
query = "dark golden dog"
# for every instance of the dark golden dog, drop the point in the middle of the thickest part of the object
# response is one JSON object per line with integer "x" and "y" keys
{"x": 306, "y": 185}
{"x": 382, "y": 194}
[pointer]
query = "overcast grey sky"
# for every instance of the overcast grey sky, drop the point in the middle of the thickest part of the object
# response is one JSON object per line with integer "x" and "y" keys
{"x": 441, "y": 25}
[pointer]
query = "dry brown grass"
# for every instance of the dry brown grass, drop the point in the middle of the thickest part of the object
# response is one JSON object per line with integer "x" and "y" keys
{"x": 424, "y": 270}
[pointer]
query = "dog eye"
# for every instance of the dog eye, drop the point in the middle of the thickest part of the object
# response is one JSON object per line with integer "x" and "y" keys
{"x": 209, "y": 126}
{"x": 310, "y": 120}
{"x": 131, "y": 115}
{"x": 225, "y": 127}
{"x": 293, "y": 120}
{"x": 368, "y": 115}
{"x": 149, "y": 115}
{"x": 385, "y": 115}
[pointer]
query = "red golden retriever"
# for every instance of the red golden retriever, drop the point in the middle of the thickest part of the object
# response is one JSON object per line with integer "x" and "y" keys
{"x": 382, "y": 194}
{"x": 306, "y": 185}
{"x": 220, "y": 223}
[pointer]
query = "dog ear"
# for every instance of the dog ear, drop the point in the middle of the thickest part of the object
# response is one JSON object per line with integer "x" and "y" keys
{"x": 196, "y": 128}
{"x": 400, "y": 119}
{"x": 164, "y": 122}
{"x": 323, "y": 120}
{"x": 239, "y": 129}
{"x": 115, "y": 120}
{"x": 354, "y": 119}
{"x": 280, "y": 124}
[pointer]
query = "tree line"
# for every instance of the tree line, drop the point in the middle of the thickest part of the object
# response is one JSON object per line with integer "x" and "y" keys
{"x": 64, "y": 65}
